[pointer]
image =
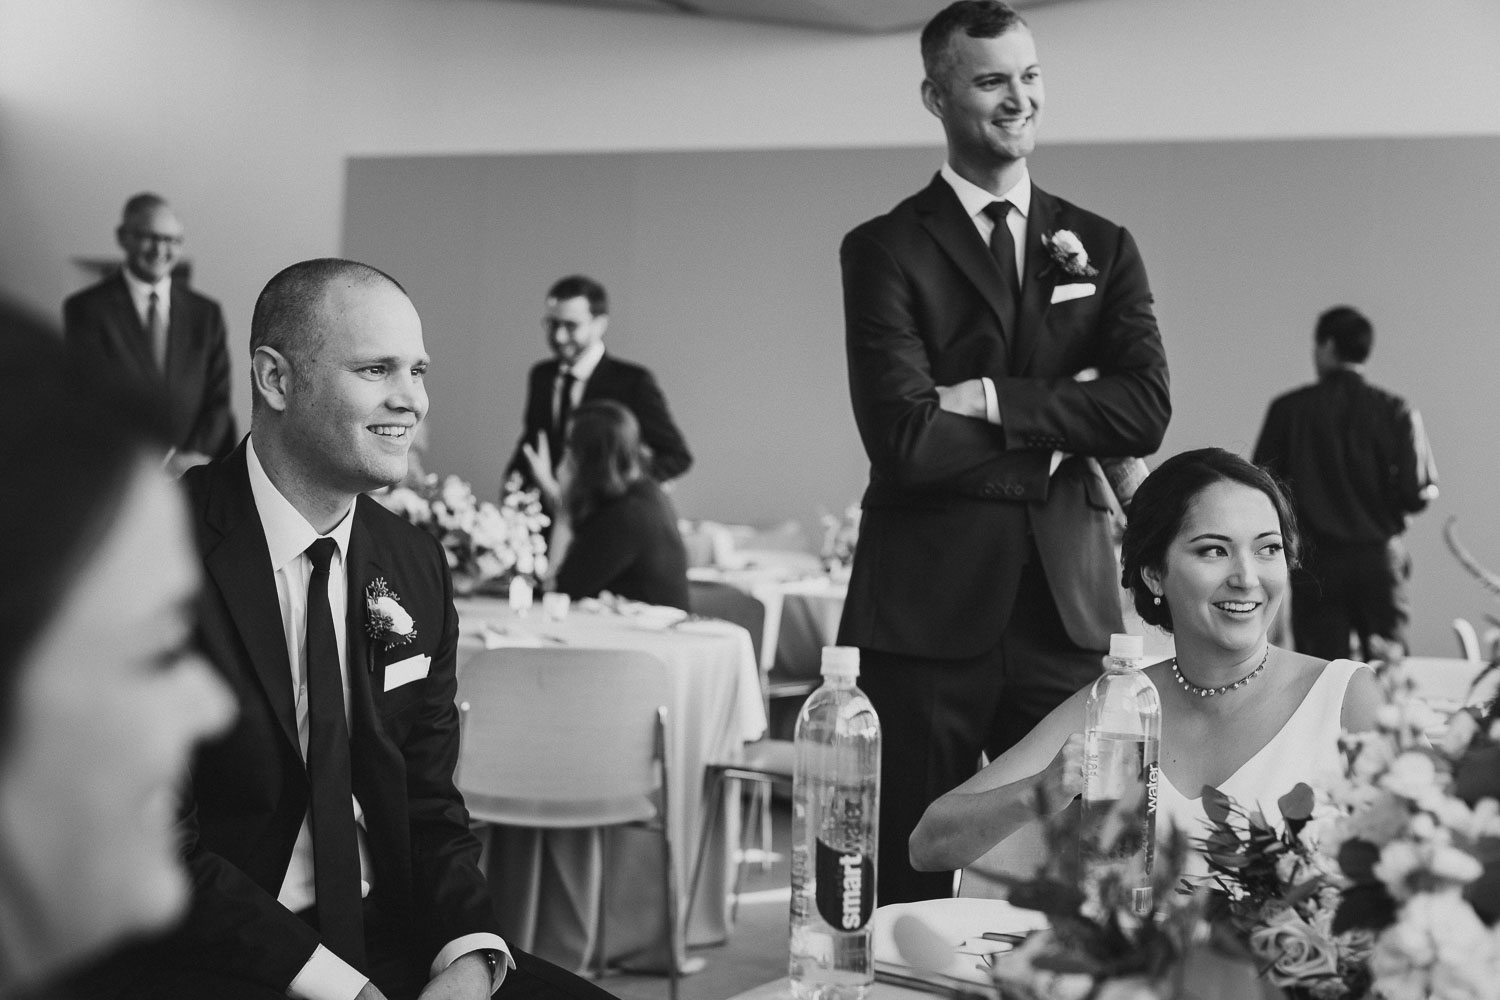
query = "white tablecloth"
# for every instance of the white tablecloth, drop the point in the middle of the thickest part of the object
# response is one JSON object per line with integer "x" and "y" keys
{"x": 546, "y": 883}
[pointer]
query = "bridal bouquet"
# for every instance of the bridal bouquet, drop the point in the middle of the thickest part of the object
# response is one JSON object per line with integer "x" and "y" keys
{"x": 483, "y": 542}
{"x": 1385, "y": 885}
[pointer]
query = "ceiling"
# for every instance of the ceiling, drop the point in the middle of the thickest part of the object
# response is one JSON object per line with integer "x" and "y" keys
{"x": 863, "y": 16}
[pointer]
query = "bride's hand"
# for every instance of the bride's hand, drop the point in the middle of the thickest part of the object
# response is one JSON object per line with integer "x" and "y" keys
{"x": 1062, "y": 780}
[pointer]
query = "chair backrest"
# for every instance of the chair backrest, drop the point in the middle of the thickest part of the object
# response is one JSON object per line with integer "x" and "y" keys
{"x": 713, "y": 599}
{"x": 1468, "y": 639}
{"x": 558, "y": 737}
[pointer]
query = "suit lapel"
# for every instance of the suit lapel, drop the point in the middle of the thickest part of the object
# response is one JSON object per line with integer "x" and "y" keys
{"x": 1041, "y": 276}
{"x": 239, "y": 565}
{"x": 133, "y": 330}
{"x": 178, "y": 324}
{"x": 943, "y": 216}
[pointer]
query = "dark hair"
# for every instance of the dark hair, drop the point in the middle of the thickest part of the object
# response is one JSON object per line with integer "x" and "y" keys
{"x": 1161, "y": 503}
{"x": 138, "y": 203}
{"x": 286, "y": 316}
{"x": 75, "y": 437}
{"x": 576, "y": 285}
{"x": 975, "y": 18}
{"x": 1350, "y": 331}
{"x": 604, "y": 441}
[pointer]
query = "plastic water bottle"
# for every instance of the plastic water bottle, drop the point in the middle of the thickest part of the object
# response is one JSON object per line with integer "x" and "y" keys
{"x": 835, "y": 805}
{"x": 1120, "y": 774}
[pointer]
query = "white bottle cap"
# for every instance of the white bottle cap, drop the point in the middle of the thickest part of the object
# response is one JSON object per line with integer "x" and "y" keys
{"x": 1124, "y": 646}
{"x": 840, "y": 661}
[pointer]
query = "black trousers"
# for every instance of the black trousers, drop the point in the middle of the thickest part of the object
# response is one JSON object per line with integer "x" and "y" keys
{"x": 1344, "y": 587}
{"x": 937, "y": 716}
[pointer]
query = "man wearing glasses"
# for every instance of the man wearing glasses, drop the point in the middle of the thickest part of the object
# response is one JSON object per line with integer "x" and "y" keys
{"x": 144, "y": 325}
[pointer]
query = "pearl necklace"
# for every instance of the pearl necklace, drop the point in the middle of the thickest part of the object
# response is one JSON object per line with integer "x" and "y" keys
{"x": 1203, "y": 692}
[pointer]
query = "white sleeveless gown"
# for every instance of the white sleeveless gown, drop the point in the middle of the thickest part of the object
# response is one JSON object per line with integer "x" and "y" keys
{"x": 1305, "y": 749}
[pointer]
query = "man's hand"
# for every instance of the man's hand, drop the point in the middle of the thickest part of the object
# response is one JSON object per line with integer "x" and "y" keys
{"x": 540, "y": 460}
{"x": 965, "y": 399}
{"x": 468, "y": 978}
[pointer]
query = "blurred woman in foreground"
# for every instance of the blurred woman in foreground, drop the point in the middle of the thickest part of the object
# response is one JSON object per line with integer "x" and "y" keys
{"x": 624, "y": 530}
{"x": 1206, "y": 554}
{"x": 102, "y": 697}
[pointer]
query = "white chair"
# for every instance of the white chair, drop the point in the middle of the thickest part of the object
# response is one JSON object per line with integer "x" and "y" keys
{"x": 571, "y": 739}
{"x": 1468, "y": 639}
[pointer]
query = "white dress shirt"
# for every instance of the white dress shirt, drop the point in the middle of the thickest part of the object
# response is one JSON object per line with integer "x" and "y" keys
{"x": 288, "y": 534}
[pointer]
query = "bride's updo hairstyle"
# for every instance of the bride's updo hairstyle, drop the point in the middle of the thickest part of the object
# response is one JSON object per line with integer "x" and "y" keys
{"x": 1161, "y": 504}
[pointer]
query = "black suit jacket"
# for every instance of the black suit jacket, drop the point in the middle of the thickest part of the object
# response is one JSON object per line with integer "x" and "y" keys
{"x": 101, "y": 323}
{"x": 951, "y": 499}
{"x": 623, "y": 381}
{"x": 250, "y": 790}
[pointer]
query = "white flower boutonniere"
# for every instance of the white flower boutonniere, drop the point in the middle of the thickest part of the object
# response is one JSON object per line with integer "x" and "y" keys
{"x": 386, "y": 620}
{"x": 1067, "y": 252}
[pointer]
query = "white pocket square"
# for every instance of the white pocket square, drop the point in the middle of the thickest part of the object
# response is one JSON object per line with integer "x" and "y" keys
{"x": 1063, "y": 293}
{"x": 413, "y": 668}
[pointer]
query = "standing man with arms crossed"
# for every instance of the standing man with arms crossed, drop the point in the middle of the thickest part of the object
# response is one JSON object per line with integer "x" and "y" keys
{"x": 577, "y": 316}
{"x": 1358, "y": 464}
{"x": 330, "y": 851}
{"x": 148, "y": 327}
{"x": 985, "y": 585}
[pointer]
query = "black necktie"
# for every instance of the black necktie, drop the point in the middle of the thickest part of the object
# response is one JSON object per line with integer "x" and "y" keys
{"x": 564, "y": 413}
{"x": 1003, "y": 249}
{"x": 335, "y": 843}
{"x": 156, "y": 332}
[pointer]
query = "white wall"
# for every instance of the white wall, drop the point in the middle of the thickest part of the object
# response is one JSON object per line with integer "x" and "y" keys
{"x": 242, "y": 111}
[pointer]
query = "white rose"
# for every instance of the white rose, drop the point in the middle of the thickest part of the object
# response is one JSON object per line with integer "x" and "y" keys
{"x": 1294, "y": 951}
{"x": 386, "y": 607}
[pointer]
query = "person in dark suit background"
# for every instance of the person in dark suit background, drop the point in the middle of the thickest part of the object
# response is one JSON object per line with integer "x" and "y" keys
{"x": 149, "y": 327}
{"x": 330, "y": 851}
{"x": 1358, "y": 464}
{"x": 577, "y": 315}
{"x": 984, "y": 586}
{"x": 624, "y": 530}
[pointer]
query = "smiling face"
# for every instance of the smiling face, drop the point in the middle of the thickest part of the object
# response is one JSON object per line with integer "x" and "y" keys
{"x": 1224, "y": 574}
{"x": 108, "y": 707}
{"x": 152, "y": 241}
{"x": 989, "y": 99}
{"x": 572, "y": 328}
{"x": 355, "y": 395}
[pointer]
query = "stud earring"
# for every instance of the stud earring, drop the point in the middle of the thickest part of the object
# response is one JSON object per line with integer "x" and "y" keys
{"x": 1156, "y": 600}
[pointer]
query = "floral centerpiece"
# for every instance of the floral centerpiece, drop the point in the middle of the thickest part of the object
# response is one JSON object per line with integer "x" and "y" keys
{"x": 1097, "y": 945}
{"x": 485, "y": 543}
{"x": 1383, "y": 886}
{"x": 840, "y": 535}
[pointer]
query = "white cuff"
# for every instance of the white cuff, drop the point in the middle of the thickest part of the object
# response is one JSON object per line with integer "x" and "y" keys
{"x": 991, "y": 400}
{"x": 327, "y": 977}
{"x": 1057, "y": 459}
{"x": 459, "y": 947}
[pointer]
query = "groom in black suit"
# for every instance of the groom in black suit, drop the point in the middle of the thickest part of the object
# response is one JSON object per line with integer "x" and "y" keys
{"x": 330, "y": 851}
{"x": 1000, "y": 340}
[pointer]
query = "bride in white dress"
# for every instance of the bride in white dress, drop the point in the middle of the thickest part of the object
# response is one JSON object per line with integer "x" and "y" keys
{"x": 1206, "y": 553}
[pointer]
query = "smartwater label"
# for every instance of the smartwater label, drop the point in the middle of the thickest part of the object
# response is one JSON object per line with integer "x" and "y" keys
{"x": 846, "y": 887}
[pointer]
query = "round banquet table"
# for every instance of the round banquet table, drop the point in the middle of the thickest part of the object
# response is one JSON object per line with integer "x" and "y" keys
{"x": 545, "y": 883}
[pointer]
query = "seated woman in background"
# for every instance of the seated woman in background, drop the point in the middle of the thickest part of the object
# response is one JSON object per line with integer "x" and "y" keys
{"x": 624, "y": 531}
{"x": 102, "y": 697}
{"x": 1206, "y": 554}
